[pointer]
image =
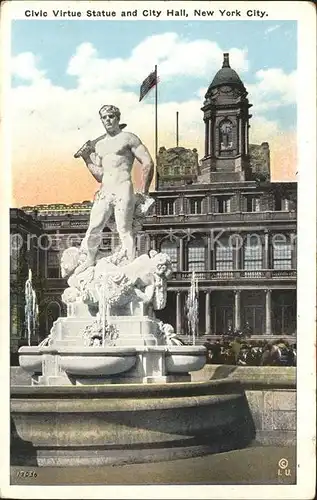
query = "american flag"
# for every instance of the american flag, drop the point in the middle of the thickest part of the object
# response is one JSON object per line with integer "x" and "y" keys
{"x": 148, "y": 84}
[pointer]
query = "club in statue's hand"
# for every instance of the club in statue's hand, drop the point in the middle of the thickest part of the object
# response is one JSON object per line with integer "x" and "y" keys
{"x": 85, "y": 150}
{"x": 89, "y": 146}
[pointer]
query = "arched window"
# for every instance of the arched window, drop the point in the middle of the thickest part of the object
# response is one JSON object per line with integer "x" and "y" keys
{"x": 224, "y": 254}
{"x": 196, "y": 255}
{"x": 282, "y": 252}
{"x": 53, "y": 264}
{"x": 225, "y": 135}
{"x": 170, "y": 247}
{"x": 252, "y": 255}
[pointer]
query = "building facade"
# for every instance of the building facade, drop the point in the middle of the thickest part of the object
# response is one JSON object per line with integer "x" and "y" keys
{"x": 219, "y": 215}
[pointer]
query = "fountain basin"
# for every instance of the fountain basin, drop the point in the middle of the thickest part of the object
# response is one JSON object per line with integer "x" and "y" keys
{"x": 184, "y": 359}
{"x": 90, "y": 361}
{"x": 30, "y": 359}
{"x": 116, "y": 424}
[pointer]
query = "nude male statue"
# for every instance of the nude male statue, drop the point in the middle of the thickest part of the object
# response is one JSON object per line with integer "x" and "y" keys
{"x": 110, "y": 161}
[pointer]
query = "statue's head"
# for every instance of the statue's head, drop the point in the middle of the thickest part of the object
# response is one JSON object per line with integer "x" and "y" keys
{"x": 168, "y": 329}
{"x": 162, "y": 263}
{"x": 69, "y": 261}
{"x": 110, "y": 117}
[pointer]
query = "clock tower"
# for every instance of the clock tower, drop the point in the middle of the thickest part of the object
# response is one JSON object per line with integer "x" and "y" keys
{"x": 226, "y": 117}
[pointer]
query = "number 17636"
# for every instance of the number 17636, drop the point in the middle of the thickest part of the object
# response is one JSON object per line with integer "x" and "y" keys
{"x": 27, "y": 473}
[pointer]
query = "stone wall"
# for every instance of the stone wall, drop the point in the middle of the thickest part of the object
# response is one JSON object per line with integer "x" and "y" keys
{"x": 271, "y": 396}
{"x": 18, "y": 376}
{"x": 274, "y": 415}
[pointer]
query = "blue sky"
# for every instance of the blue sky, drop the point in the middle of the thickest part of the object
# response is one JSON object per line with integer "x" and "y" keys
{"x": 269, "y": 44}
{"x": 64, "y": 71}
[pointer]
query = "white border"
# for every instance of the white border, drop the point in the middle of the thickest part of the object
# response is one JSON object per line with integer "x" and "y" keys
{"x": 305, "y": 14}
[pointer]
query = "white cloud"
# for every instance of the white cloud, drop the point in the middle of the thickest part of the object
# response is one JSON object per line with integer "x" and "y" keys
{"x": 274, "y": 88}
{"x": 173, "y": 55}
{"x": 54, "y": 119}
{"x": 263, "y": 129}
{"x": 201, "y": 92}
{"x": 51, "y": 121}
{"x": 24, "y": 66}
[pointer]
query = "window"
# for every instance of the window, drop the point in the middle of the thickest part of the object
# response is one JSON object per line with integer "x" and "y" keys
{"x": 196, "y": 255}
{"x": 53, "y": 269}
{"x": 282, "y": 254}
{"x": 225, "y": 135}
{"x": 224, "y": 255}
{"x": 176, "y": 169}
{"x": 288, "y": 204}
{"x": 252, "y": 254}
{"x": 167, "y": 206}
{"x": 53, "y": 312}
{"x": 278, "y": 202}
{"x": 170, "y": 247}
{"x": 106, "y": 244}
{"x": 15, "y": 240}
{"x": 195, "y": 205}
{"x": 17, "y": 315}
{"x": 223, "y": 204}
{"x": 253, "y": 204}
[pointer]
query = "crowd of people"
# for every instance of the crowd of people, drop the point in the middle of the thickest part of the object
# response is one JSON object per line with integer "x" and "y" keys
{"x": 239, "y": 351}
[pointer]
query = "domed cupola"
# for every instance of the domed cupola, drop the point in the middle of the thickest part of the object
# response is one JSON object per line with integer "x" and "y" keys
{"x": 226, "y": 117}
{"x": 225, "y": 76}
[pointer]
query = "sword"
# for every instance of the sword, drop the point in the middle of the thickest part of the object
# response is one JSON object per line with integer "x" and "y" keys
{"x": 89, "y": 146}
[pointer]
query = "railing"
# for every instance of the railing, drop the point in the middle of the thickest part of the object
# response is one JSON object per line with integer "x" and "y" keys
{"x": 223, "y": 217}
{"x": 277, "y": 274}
{"x": 268, "y": 216}
{"x": 82, "y": 224}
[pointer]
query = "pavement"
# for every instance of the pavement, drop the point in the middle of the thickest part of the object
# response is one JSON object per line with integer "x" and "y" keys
{"x": 252, "y": 465}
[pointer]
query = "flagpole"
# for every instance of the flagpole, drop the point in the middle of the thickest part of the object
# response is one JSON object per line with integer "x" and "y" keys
{"x": 177, "y": 129}
{"x": 156, "y": 127}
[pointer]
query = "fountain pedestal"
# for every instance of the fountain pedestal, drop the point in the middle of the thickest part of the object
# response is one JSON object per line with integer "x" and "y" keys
{"x": 139, "y": 355}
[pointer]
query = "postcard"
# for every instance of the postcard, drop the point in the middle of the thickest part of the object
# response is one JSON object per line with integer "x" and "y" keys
{"x": 158, "y": 249}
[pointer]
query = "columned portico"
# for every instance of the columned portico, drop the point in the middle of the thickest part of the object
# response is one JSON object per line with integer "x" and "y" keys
{"x": 148, "y": 243}
{"x": 236, "y": 254}
{"x": 178, "y": 312}
{"x": 268, "y": 312}
{"x": 207, "y": 314}
{"x": 266, "y": 253}
{"x": 207, "y": 137}
{"x": 181, "y": 254}
{"x": 209, "y": 253}
{"x": 153, "y": 243}
{"x": 294, "y": 250}
{"x": 237, "y": 309}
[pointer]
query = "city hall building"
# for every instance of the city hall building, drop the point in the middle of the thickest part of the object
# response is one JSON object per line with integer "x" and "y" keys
{"x": 216, "y": 212}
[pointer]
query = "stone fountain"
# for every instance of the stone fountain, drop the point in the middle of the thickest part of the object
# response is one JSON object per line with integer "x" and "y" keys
{"x": 111, "y": 383}
{"x": 111, "y": 334}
